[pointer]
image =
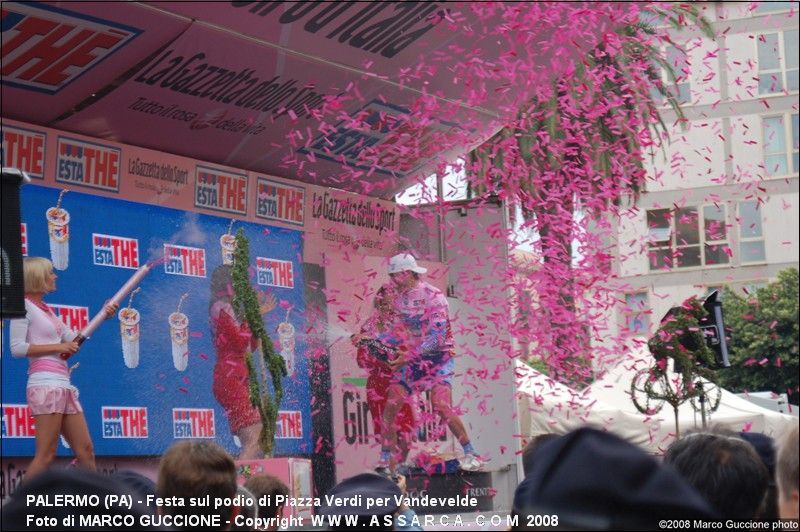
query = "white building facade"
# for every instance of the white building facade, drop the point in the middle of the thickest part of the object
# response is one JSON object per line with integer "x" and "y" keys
{"x": 722, "y": 208}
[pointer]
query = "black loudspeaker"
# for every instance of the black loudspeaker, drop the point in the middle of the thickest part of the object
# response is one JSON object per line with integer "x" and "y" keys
{"x": 713, "y": 328}
{"x": 12, "y": 284}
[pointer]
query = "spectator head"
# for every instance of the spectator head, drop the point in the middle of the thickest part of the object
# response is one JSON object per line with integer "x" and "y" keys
{"x": 194, "y": 469}
{"x": 765, "y": 448}
{"x": 248, "y": 513}
{"x": 531, "y": 447}
{"x": 725, "y": 469}
{"x": 594, "y": 480}
{"x": 367, "y": 485}
{"x": 267, "y": 489}
{"x": 75, "y": 482}
{"x": 135, "y": 482}
{"x": 787, "y": 476}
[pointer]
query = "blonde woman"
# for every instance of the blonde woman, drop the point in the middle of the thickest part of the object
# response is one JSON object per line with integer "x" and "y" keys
{"x": 41, "y": 337}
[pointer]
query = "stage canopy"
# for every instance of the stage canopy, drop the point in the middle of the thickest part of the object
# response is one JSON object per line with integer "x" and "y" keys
{"x": 231, "y": 82}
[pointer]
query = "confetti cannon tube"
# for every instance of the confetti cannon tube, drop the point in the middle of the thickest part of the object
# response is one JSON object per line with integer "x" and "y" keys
{"x": 100, "y": 317}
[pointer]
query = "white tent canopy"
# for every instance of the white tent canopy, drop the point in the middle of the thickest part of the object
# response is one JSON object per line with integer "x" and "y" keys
{"x": 549, "y": 407}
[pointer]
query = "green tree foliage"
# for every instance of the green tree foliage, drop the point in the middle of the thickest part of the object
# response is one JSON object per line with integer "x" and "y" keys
{"x": 563, "y": 151}
{"x": 764, "y": 338}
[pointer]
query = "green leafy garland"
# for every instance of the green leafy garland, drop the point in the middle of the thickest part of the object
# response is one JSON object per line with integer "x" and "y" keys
{"x": 680, "y": 330}
{"x": 680, "y": 339}
{"x": 245, "y": 301}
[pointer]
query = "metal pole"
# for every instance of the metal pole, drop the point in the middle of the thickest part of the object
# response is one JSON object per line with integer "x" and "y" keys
{"x": 702, "y": 397}
{"x": 440, "y": 218}
{"x": 677, "y": 428}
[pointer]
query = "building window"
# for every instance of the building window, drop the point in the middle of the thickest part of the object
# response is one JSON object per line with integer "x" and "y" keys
{"x": 637, "y": 314}
{"x": 715, "y": 235}
{"x": 795, "y": 143}
{"x": 772, "y": 7}
{"x": 777, "y": 62}
{"x": 678, "y": 239}
{"x": 751, "y": 233}
{"x": 679, "y": 86}
{"x": 779, "y": 160}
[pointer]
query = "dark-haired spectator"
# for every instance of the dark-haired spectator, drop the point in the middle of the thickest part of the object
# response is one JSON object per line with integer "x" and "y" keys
{"x": 194, "y": 469}
{"x": 787, "y": 476}
{"x": 725, "y": 469}
{"x": 248, "y": 513}
{"x": 135, "y": 482}
{"x": 267, "y": 489}
{"x": 354, "y": 494}
{"x": 594, "y": 480}
{"x": 376, "y": 517}
{"x": 531, "y": 447}
{"x": 74, "y": 482}
{"x": 765, "y": 448}
{"x": 405, "y": 518}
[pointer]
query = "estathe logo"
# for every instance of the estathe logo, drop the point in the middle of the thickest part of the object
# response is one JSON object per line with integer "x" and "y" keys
{"x": 17, "y": 421}
{"x": 117, "y": 251}
{"x": 124, "y": 422}
{"x": 289, "y": 425}
{"x": 76, "y": 318}
{"x": 46, "y": 48}
{"x": 190, "y": 423}
{"x": 88, "y": 164}
{"x": 24, "y": 149}
{"x": 387, "y": 130}
{"x": 183, "y": 260}
{"x": 280, "y": 202}
{"x": 23, "y": 236}
{"x": 220, "y": 190}
{"x": 274, "y": 272}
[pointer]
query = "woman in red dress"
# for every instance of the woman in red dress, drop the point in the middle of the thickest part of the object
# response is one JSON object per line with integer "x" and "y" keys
{"x": 232, "y": 341}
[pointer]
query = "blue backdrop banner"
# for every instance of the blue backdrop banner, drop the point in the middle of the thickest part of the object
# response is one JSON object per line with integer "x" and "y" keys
{"x": 148, "y": 380}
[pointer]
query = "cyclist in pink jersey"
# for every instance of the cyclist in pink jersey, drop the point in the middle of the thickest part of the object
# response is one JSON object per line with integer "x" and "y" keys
{"x": 41, "y": 337}
{"x": 423, "y": 312}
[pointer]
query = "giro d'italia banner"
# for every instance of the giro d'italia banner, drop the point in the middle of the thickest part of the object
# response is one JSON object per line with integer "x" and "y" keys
{"x": 156, "y": 373}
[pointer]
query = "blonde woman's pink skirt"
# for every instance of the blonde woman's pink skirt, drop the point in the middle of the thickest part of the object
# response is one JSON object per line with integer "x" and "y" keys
{"x": 52, "y": 400}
